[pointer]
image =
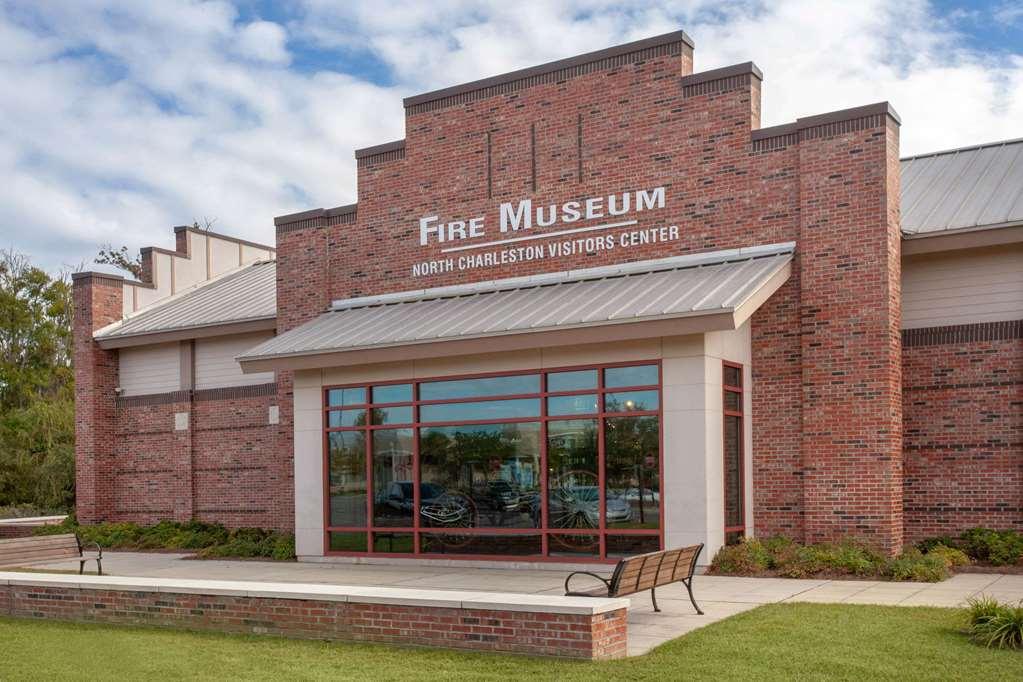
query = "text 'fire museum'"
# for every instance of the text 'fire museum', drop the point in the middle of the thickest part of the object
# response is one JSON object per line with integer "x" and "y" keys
{"x": 583, "y": 310}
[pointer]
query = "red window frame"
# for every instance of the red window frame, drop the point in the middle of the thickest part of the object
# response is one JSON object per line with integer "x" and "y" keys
{"x": 727, "y": 389}
{"x": 544, "y": 532}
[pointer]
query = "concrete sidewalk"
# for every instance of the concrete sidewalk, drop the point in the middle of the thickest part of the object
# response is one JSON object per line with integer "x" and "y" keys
{"x": 719, "y": 597}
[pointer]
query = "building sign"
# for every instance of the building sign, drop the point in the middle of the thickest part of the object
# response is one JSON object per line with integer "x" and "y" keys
{"x": 526, "y": 232}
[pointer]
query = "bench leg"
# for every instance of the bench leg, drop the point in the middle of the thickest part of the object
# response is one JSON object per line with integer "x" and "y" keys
{"x": 653, "y": 598}
{"x": 689, "y": 586}
{"x": 99, "y": 567}
{"x": 81, "y": 567}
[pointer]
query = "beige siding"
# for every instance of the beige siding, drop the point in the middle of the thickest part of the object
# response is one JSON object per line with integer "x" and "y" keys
{"x": 215, "y": 365}
{"x": 963, "y": 287}
{"x": 150, "y": 369}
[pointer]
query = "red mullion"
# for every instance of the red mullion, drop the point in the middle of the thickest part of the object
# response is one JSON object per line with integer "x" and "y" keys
{"x": 495, "y": 398}
{"x": 481, "y": 531}
{"x": 725, "y": 390}
{"x": 415, "y": 468}
{"x": 602, "y": 467}
{"x": 368, "y": 435}
{"x": 488, "y": 420}
{"x": 660, "y": 455}
{"x": 544, "y": 548}
{"x": 326, "y": 478}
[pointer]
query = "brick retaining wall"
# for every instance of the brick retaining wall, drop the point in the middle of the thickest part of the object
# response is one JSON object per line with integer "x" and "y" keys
{"x": 546, "y": 628}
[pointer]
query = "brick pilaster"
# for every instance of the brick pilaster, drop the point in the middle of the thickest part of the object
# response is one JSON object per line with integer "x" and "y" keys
{"x": 850, "y": 318}
{"x": 97, "y": 303}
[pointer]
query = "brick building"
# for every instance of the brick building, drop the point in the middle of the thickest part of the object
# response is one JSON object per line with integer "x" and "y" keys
{"x": 582, "y": 310}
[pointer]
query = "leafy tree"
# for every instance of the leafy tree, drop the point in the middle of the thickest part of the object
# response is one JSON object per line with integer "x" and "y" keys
{"x": 36, "y": 386}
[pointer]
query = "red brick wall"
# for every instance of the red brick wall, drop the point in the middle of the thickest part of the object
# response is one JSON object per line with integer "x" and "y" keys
{"x": 963, "y": 430}
{"x": 601, "y": 636}
{"x": 227, "y": 467}
{"x": 828, "y": 183}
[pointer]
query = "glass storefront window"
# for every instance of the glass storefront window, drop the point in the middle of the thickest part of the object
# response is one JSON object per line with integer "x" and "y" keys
{"x": 347, "y": 477}
{"x": 636, "y": 375}
{"x": 486, "y": 476}
{"x": 475, "y": 467}
{"x": 632, "y": 472}
{"x": 479, "y": 388}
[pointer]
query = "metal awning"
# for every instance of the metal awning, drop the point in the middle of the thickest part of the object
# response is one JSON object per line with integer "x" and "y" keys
{"x": 669, "y": 296}
{"x": 243, "y": 300}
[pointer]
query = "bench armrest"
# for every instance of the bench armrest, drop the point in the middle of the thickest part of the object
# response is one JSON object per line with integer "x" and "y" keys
{"x": 98, "y": 549}
{"x": 606, "y": 581}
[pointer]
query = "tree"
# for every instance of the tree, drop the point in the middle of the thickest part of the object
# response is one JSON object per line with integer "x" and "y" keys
{"x": 36, "y": 386}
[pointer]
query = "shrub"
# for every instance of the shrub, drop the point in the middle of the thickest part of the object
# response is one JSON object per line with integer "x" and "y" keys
{"x": 746, "y": 558}
{"x": 950, "y": 555}
{"x": 995, "y": 625}
{"x": 928, "y": 544}
{"x": 913, "y": 564}
{"x": 997, "y": 547}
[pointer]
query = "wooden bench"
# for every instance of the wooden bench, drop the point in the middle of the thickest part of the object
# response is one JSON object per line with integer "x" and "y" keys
{"x": 645, "y": 572}
{"x": 40, "y": 548}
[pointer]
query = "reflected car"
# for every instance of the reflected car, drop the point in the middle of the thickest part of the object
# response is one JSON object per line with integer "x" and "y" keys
{"x": 578, "y": 507}
{"x": 499, "y": 495}
{"x": 399, "y": 495}
{"x": 632, "y": 495}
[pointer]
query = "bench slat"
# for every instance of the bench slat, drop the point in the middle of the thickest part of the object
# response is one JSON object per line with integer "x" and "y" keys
{"x": 34, "y": 553}
{"x": 15, "y": 545}
{"x": 654, "y": 569}
{"x": 39, "y": 539}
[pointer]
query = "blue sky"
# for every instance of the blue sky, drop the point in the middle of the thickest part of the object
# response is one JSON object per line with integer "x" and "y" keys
{"x": 124, "y": 118}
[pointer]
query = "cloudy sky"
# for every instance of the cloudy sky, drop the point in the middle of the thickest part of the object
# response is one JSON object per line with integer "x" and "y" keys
{"x": 121, "y": 119}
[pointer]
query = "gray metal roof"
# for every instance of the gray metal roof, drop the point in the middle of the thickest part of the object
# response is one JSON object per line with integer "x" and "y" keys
{"x": 241, "y": 296}
{"x": 960, "y": 189}
{"x": 681, "y": 286}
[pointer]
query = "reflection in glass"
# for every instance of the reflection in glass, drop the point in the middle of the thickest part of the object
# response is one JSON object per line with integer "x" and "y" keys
{"x": 733, "y": 471}
{"x": 392, "y": 477}
{"x": 583, "y": 546}
{"x": 392, "y": 415}
{"x": 343, "y": 397}
{"x": 733, "y": 401}
{"x": 479, "y": 388}
{"x": 485, "y": 409}
{"x": 347, "y": 542}
{"x": 640, "y": 375}
{"x": 733, "y": 376}
{"x": 572, "y": 404}
{"x": 578, "y": 380}
{"x": 506, "y": 545}
{"x": 631, "y": 470}
{"x": 340, "y": 418}
{"x": 485, "y": 476}
{"x": 392, "y": 393}
{"x": 573, "y": 490}
{"x": 630, "y": 545}
{"x": 393, "y": 543}
{"x": 632, "y": 401}
{"x": 347, "y": 452}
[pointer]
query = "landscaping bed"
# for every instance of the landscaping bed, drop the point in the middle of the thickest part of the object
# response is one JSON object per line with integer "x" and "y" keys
{"x": 207, "y": 540}
{"x": 979, "y": 550}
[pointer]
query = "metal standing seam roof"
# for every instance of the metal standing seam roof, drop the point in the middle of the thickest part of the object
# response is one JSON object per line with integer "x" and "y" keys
{"x": 965, "y": 188}
{"x": 241, "y": 296}
{"x": 666, "y": 288}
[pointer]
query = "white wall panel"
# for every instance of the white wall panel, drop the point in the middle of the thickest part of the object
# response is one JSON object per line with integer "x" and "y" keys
{"x": 964, "y": 287}
{"x": 150, "y": 369}
{"x": 215, "y": 365}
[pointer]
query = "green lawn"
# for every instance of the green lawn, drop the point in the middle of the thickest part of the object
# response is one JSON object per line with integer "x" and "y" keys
{"x": 783, "y": 641}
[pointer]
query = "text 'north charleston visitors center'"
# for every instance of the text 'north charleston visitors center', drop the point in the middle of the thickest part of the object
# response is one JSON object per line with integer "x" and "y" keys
{"x": 583, "y": 310}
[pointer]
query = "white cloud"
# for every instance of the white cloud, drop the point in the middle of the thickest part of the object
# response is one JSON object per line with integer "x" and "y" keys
{"x": 263, "y": 41}
{"x": 121, "y": 118}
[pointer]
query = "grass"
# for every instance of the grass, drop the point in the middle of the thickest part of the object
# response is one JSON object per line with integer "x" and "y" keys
{"x": 778, "y": 641}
